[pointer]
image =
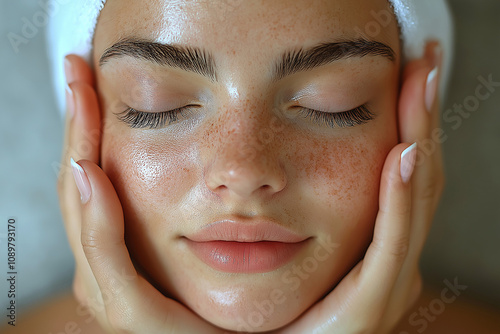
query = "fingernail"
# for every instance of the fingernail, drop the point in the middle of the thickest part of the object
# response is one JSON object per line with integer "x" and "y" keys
{"x": 82, "y": 181}
{"x": 68, "y": 71}
{"x": 407, "y": 165}
{"x": 70, "y": 101}
{"x": 431, "y": 89}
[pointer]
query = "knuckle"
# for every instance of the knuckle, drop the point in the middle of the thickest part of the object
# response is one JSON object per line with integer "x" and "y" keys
{"x": 433, "y": 187}
{"x": 394, "y": 251}
{"x": 90, "y": 243}
{"x": 397, "y": 212}
{"x": 428, "y": 190}
{"x": 398, "y": 249}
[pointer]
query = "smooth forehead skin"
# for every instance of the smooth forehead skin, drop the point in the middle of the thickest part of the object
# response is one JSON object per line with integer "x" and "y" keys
{"x": 317, "y": 181}
{"x": 234, "y": 27}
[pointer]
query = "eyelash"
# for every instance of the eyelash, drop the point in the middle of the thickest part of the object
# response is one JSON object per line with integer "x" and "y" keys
{"x": 140, "y": 120}
{"x": 350, "y": 118}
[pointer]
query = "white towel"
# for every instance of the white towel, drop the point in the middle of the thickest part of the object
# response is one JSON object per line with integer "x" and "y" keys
{"x": 71, "y": 30}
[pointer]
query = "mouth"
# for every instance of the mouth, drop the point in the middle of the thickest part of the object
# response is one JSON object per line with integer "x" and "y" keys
{"x": 255, "y": 247}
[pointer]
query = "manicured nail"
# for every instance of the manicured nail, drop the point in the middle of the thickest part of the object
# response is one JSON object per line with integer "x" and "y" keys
{"x": 82, "y": 181}
{"x": 407, "y": 165}
{"x": 70, "y": 101}
{"x": 68, "y": 71}
{"x": 431, "y": 88}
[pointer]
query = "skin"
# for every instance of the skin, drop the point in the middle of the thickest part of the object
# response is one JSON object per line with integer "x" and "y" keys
{"x": 371, "y": 297}
{"x": 319, "y": 182}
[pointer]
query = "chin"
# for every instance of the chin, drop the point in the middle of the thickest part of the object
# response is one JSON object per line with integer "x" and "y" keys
{"x": 257, "y": 307}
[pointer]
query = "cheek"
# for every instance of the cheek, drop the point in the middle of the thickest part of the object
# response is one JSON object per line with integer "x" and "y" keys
{"x": 150, "y": 176}
{"x": 343, "y": 174}
{"x": 339, "y": 180}
{"x": 342, "y": 169}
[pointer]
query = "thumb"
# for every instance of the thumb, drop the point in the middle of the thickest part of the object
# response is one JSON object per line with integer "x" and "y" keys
{"x": 387, "y": 252}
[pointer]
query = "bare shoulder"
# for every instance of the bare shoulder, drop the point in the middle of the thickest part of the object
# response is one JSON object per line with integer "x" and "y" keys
{"x": 61, "y": 315}
{"x": 447, "y": 311}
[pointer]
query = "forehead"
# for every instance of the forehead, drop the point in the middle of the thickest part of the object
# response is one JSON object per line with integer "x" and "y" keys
{"x": 254, "y": 28}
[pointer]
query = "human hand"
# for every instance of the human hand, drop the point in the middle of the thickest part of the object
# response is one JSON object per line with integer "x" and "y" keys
{"x": 105, "y": 278}
{"x": 379, "y": 290}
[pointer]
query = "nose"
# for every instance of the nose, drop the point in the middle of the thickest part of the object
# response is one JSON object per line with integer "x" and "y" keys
{"x": 246, "y": 162}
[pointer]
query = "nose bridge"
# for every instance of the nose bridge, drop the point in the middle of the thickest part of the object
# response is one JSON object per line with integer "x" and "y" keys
{"x": 245, "y": 155}
{"x": 245, "y": 135}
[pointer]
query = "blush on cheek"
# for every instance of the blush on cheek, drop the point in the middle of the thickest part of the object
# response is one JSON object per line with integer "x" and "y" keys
{"x": 343, "y": 178}
{"x": 150, "y": 179}
{"x": 348, "y": 170}
{"x": 142, "y": 170}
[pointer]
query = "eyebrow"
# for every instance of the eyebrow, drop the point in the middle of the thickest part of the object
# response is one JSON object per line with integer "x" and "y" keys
{"x": 185, "y": 58}
{"x": 199, "y": 61}
{"x": 302, "y": 60}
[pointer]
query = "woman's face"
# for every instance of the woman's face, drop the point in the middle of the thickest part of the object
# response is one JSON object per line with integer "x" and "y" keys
{"x": 253, "y": 202}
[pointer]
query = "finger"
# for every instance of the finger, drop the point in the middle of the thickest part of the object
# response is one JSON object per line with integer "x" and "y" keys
{"x": 82, "y": 137}
{"x": 81, "y": 127}
{"x": 85, "y": 128}
{"x": 387, "y": 252}
{"x": 414, "y": 119}
{"x": 132, "y": 304}
{"x": 437, "y": 132}
{"x": 418, "y": 112}
{"x": 83, "y": 142}
{"x": 77, "y": 69}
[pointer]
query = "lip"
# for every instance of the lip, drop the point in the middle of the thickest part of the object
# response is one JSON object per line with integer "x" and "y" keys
{"x": 245, "y": 247}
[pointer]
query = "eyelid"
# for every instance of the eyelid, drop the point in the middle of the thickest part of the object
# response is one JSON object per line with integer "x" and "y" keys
{"x": 323, "y": 106}
{"x": 328, "y": 99}
{"x": 349, "y": 118}
{"x": 137, "y": 119}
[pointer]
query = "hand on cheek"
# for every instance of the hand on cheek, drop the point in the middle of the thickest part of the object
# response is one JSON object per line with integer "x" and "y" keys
{"x": 105, "y": 279}
{"x": 375, "y": 295}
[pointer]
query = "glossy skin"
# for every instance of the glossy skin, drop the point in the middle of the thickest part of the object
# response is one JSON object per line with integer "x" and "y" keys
{"x": 317, "y": 181}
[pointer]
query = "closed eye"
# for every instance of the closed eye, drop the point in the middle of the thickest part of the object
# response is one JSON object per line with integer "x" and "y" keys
{"x": 350, "y": 118}
{"x": 141, "y": 120}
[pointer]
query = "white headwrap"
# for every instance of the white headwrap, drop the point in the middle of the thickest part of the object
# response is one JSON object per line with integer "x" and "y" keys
{"x": 72, "y": 26}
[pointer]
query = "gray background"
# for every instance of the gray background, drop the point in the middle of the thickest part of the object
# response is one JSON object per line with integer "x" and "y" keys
{"x": 464, "y": 240}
